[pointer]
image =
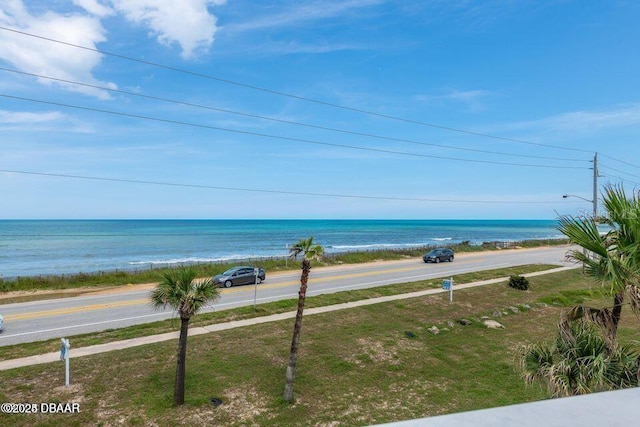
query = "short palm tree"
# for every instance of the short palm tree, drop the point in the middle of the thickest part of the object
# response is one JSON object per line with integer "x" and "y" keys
{"x": 309, "y": 252}
{"x": 187, "y": 296}
{"x": 580, "y": 361}
{"x": 615, "y": 255}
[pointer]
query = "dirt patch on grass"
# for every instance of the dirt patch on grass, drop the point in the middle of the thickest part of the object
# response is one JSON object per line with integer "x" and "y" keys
{"x": 406, "y": 344}
{"x": 70, "y": 393}
{"x": 376, "y": 351}
{"x": 243, "y": 404}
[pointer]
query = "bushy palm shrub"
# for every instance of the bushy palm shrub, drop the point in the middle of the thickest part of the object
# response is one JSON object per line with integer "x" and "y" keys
{"x": 519, "y": 282}
{"x": 580, "y": 361}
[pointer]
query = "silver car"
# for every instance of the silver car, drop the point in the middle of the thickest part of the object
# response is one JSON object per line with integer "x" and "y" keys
{"x": 1, "y": 322}
{"x": 242, "y": 275}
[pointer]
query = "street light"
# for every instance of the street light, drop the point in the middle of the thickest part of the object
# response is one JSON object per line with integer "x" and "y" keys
{"x": 566, "y": 196}
{"x": 594, "y": 201}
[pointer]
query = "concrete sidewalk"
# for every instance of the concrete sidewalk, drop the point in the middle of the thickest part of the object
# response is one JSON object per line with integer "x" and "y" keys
{"x": 134, "y": 342}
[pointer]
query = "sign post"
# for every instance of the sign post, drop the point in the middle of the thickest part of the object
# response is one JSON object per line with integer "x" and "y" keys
{"x": 447, "y": 284}
{"x": 256, "y": 271}
{"x": 64, "y": 355}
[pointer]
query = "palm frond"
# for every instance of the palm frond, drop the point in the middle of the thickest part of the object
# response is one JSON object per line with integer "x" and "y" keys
{"x": 613, "y": 258}
{"x": 600, "y": 316}
{"x": 584, "y": 233}
{"x": 633, "y": 296}
{"x": 620, "y": 208}
{"x": 307, "y": 249}
{"x": 180, "y": 290}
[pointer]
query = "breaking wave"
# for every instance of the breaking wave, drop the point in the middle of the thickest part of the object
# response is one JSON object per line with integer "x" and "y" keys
{"x": 194, "y": 260}
{"x": 378, "y": 246}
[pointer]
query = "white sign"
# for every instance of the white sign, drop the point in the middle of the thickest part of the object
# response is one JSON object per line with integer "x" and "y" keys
{"x": 64, "y": 349}
{"x": 447, "y": 285}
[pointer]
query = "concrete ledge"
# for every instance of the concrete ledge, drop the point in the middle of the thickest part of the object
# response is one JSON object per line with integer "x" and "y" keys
{"x": 612, "y": 408}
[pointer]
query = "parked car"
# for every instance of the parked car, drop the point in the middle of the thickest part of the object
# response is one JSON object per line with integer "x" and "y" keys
{"x": 242, "y": 275}
{"x": 438, "y": 254}
{"x": 1, "y": 322}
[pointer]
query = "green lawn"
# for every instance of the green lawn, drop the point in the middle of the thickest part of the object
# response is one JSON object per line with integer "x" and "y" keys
{"x": 360, "y": 366}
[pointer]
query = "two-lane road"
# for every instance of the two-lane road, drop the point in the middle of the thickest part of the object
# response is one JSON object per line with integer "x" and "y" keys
{"x": 125, "y": 306}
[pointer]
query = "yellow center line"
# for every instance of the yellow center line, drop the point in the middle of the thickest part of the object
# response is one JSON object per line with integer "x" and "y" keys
{"x": 324, "y": 279}
{"x": 147, "y": 301}
{"x": 62, "y": 311}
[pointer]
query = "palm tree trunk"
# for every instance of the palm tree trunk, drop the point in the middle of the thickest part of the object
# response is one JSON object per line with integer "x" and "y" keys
{"x": 178, "y": 389}
{"x": 616, "y": 313}
{"x": 293, "y": 355}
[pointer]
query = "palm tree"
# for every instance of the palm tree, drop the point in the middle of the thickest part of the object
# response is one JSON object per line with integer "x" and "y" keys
{"x": 309, "y": 253}
{"x": 187, "y": 296}
{"x": 615, "y": 262}
{"x": 580, "y": 361}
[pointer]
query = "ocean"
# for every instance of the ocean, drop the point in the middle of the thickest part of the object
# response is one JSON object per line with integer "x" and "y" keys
{"x": 43, "y": 247}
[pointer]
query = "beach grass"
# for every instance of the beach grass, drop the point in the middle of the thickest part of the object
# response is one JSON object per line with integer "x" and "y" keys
{"x": 360, "y": 366}
{"x": 120, "y": 277}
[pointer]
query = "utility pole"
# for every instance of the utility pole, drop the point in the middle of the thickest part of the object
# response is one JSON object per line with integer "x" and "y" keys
{"x": 595, "y": 187}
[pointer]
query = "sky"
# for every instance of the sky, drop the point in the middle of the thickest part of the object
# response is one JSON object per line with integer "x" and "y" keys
{"x": 308, "y": 109}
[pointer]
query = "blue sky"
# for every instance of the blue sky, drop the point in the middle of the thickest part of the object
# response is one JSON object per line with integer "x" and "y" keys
{"x": 552, "y": 82}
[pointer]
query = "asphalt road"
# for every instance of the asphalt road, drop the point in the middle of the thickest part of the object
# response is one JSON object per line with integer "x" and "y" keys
{"x": 126, "y": 306}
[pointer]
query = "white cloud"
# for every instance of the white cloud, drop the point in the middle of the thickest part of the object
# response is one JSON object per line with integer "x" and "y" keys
{"x": 39, "y": 56}
{"x": 471, "y": 98}
{"x": 20, "y": 117}
{"x": 583, "y": 121}
{"x": 302, "y": 12}
{"x": 94, "y": 8}
{"x": 21, "y": 121}
{"x": 295, "y": 47}
{"x": 186, "y": 22}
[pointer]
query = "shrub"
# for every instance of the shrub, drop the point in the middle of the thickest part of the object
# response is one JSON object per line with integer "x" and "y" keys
{"x": 519, "y": 282}
{"x": 580, "y": 361}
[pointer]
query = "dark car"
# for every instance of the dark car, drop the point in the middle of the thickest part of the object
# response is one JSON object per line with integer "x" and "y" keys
{"x": 242, "y": 275}
{"x": 438, "y": 254}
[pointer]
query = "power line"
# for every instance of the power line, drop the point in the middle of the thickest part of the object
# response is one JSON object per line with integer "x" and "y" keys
{"x": 260, "y": 190}
{"x": 620, "y": 171}
{"x": 618, "y": 160}
{"x": 620, "y": 179}
{"x": 289, "y": 122}
{"x": 301, "y": 98}
{"x": 286, "y": 138}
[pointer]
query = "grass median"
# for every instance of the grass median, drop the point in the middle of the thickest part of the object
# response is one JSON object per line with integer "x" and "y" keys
{"x": 359, "y": 366}
{"x": 159, "y": 327}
